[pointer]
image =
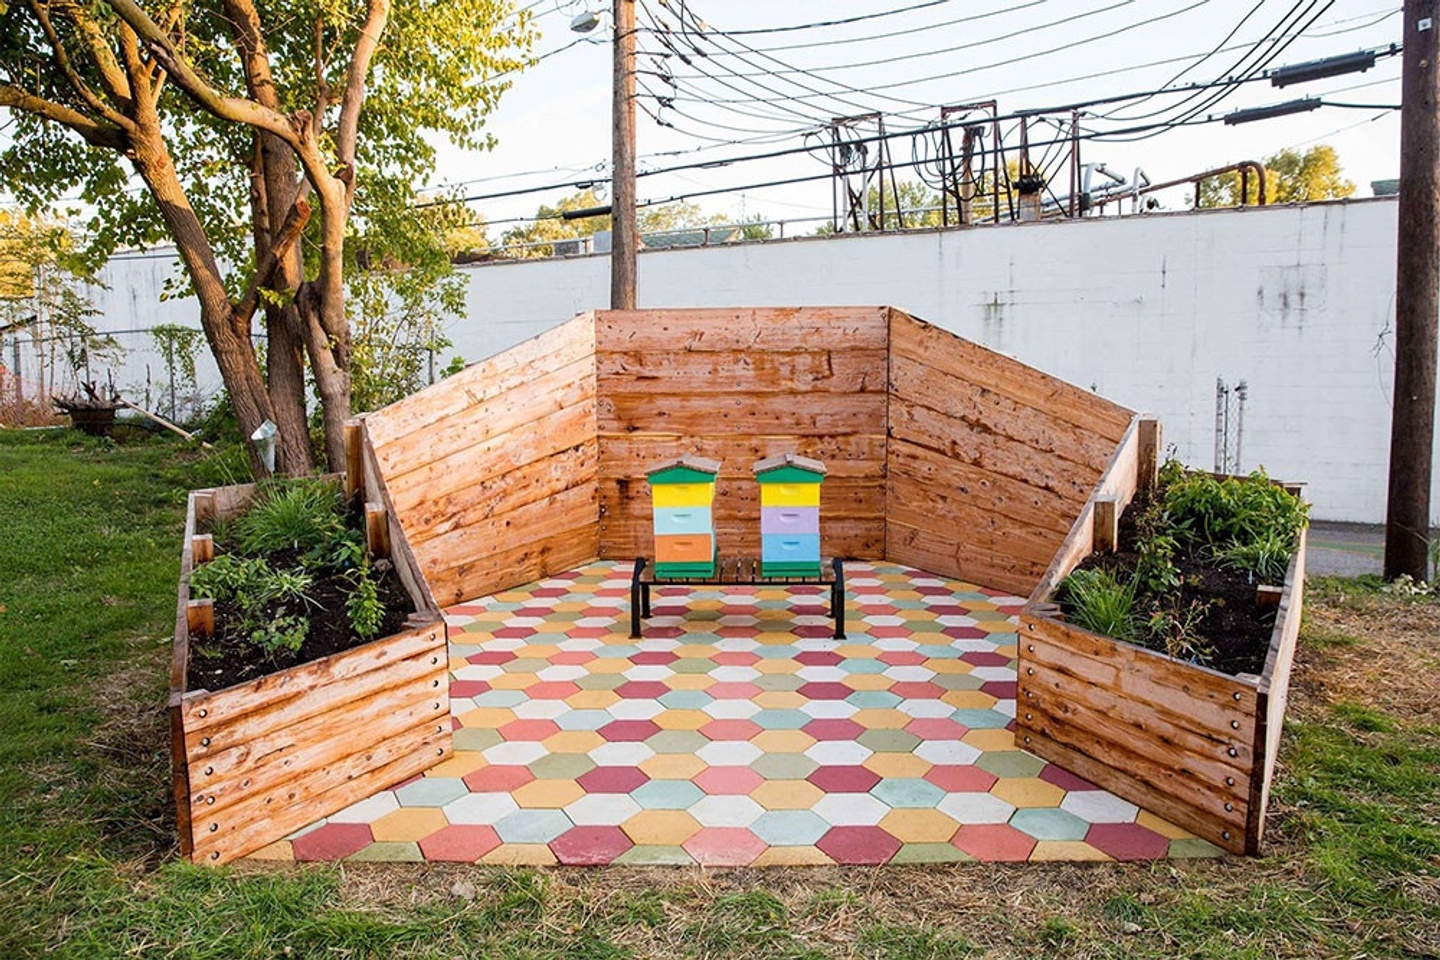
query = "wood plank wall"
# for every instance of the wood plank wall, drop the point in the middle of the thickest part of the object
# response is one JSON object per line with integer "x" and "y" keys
{"x": 737, "y": 386}
{"x": 492, "y": 472}
{"x": 989, "y": 461}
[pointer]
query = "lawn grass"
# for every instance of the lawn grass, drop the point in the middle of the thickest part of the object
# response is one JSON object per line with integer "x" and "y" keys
{"x": 88, "y": 864}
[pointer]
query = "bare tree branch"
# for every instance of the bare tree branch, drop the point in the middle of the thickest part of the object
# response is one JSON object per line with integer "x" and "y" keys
{"x": 366, "y": 44}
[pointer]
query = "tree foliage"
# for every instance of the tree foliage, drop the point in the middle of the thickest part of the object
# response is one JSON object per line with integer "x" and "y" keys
{"x": 220, "y": 125}
{"x": 539, "y": 237}
{"x": 1290, "y": 177}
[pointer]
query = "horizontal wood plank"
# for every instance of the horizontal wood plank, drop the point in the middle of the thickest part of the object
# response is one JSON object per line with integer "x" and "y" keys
{"x": 998, "y": 495}
{"x": 760, "y": 329}
{"x": 971, "y": 526}
{"x": 536, "y": 559}
{"x": 568, "y": 510}
{"x": 929, "y": 550}
{"x": 717, "y": 372}
{"x": 790, "y": 415}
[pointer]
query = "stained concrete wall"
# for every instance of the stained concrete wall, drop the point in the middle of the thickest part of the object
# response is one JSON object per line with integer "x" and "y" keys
{"x": 1297, "y": 301}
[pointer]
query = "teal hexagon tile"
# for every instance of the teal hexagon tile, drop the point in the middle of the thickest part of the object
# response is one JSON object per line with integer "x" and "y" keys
{"x": 874, "y": 699}
{"x": 500, "y": 698}
{"x": 1049, "y": 824}
{"x": 667, "y": 795}
{"x": 789, "y": 828}
{"x": 906, "y": 792}
{"x": 583, "y": 719}
{"x": 431, "y": 792}
{"x": 980, "y": 719}
{"x": 532, "y": 826}
{"x": 781, "y": 719}
{"x": 686, "y": 699}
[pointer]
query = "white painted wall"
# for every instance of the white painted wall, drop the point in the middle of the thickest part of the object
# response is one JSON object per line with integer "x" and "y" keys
{"x": 1297, "y": 301}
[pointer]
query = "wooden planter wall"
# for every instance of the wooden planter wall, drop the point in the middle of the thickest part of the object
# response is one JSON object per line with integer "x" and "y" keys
{"x": 256, "y": 761}
{"x": 1193, "y": 745}
{"x": 492, "y": 472}
{"x": 941, "y": 454}
{"x": 738, "y": 386}
{"x": 989, "y": 461}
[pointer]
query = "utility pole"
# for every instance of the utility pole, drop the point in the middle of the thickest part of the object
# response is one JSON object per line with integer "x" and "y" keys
{"x": 1417, "y": 299}
{"x": 624, "y": 242}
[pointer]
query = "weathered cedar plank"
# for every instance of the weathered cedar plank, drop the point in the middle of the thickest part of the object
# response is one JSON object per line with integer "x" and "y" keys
{"x": 981, "y": 408}
{"x": 373, "y": 767}
{"x": 205, "y": 711}
{"x": 494, "y": 496}
{"x": 786, "y": 328}
{"x": 813, "y": 370}
{"x": 914, "y": 465}
{"x": 916, "y": 340}
{"x": 990, "y": 452}
{"x": 491, "y": 458}
{"x": 1275, "y": 687}
{"x": 971, "y": 526}
{"x": 272, "y": 757}
{"x": 806, "y": 415}
{"x": 484, "y": 575}
{"x": 1139, "y": 792}
{"x": 354, "y": 461}
{"x": 1161, "y": 734}
{"x": 925, "y": 549}
{"x": 627, "y": 456}
{"x": 1119, "y": 480}
{"x": 569, "y": 509}
{"x": 482, "y": 382}
{"x": 402, "y": 554}
{"x": 570, "y": 386}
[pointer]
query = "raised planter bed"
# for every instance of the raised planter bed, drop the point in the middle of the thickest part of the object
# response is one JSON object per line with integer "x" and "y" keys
{"x": 1191, "y": 744}
{"x": 256, "y": 761}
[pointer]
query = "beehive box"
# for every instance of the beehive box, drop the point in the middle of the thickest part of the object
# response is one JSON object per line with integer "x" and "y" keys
{"x": 789, "y": 515}
{"x": 682, "y": 493}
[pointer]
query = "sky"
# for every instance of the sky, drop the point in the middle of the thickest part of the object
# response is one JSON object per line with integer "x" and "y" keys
{"x": 742, "y": 77}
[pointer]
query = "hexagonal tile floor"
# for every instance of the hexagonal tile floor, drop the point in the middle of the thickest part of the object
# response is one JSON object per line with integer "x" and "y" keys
{"x": 738, "y": 732}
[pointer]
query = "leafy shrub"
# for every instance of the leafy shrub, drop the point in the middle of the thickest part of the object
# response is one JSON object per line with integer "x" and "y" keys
{"x": 1175, "y": 630}
{"x": 268, "y": 602}
{"x": 1266, "y": 558}
{"x": 305, "y": 515}
{"x": 1097, "y": 601}
{"x": 367, "y": 613}
{"x": 1208, "y": 510}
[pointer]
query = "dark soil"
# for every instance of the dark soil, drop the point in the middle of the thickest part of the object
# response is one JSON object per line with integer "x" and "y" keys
{"x": 229, "y": 658}
{"x": 1236, "y": 630}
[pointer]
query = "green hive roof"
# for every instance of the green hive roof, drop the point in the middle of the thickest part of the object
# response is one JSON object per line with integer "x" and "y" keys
{"x": 689, "y": 468}
{"x": 793, "y": 460}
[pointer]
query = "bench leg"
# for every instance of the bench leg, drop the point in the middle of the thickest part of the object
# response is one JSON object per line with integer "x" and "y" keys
{"x": 837, "y": 599}
{"x": 639, "y": 597}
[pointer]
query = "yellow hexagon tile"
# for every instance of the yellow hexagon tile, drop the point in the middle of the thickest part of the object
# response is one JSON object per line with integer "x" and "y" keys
{"x": 1163, "y": 827}
{"x": 948, "y": 665}
{"x": 689, "y": 681}
{"x": 787, "y": 794}
{"x": 547, "y": 794}
{"x": 514, "y": 681}
{"x": 682, "y": 719}
{"x": 1027, "y": 792}
{"x": 1008, "y": 650}
{"x": 520, "y": 855}
{"x": 968, "y": 699}
{"x": 408, "y": 824}
{"x": 673, "y": 766}
{"x": 609, "y": 665}
{"x": 780, "y": 700}
{"x": 486, "y": 718}
{"x": 1066, "y": 850}
{"x": 279, "y": 850}
{"x": 775, "y": 638}
{"x": 573, "y": 741}
{"x": 868, "y": 681}
{"x": 459, "y": 764}
{"x": 777, "y": 665}
{"x": 592, "y": 699}
{"x": 792, "y": 857}
{"x": 783, "y": 741}
{"x": 990, "y": 738}
{"x": 879, "y": 718}
{"x": 919, "y": 826}
{"x": 661, "y": 828}
{"x": 856, "y": 651}
{"x": 901, "y": 765}
{"x": 694, "y": 651}
{"x": 539, "y": 651}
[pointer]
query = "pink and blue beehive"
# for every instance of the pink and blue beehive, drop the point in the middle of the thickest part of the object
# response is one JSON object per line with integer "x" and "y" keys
{"x": 789, "y": 515}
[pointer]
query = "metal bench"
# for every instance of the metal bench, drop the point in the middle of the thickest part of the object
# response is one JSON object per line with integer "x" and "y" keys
{"x": 735, "y": 572}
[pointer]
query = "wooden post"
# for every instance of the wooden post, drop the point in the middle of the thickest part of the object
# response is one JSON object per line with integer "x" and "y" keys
{"x": 377, "y": 530}
{"x": 623, "y": 240}
{"x": 200, "y": 617}
{"x": 202, "y": 549}
{"x": 1417, "y": 298}
{"x": 1149, "y": 465}
{"x": 1107, "y": 525}
{"x": 354, "y": 461}
{"x": 204, "y": 505}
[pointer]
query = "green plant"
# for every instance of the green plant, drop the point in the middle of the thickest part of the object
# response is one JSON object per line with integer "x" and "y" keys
{"x": 1155, "y": 571}
{"x": 367, "y": 613}
{"x": 1209, "y": 510}
{"x": 1175, "y": 630}
{"x": 304, "y": 515}
{"x": 1266, "y": 558}
{"x": 1097, "y": 601}
{"x": 269, "y": 603}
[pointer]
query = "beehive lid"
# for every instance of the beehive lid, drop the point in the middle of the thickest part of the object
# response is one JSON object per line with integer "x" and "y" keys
{"x": 687, "y": 469}
{"x": 789, "y": 468}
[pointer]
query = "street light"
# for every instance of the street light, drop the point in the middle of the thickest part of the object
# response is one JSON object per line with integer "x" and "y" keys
{"x": 623, "y": 239}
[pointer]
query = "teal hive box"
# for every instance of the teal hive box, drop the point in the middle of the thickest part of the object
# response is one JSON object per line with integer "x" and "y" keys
{"x": 789, "y": 515}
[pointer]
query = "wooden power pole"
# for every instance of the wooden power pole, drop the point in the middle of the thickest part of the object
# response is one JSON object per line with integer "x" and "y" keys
{"x": 1417, "y": 299}
{"x": 624, "y": 242}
